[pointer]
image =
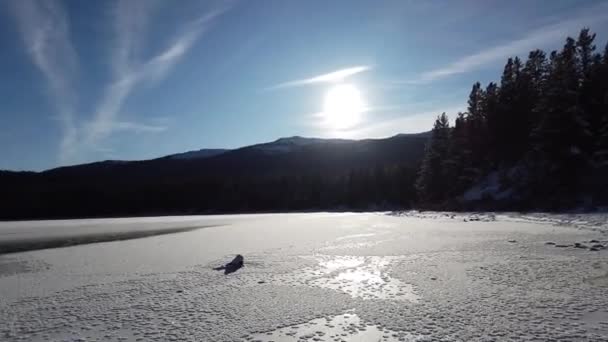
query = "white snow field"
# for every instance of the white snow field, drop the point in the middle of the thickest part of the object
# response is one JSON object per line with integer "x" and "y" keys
{"x": 309, "y": 277}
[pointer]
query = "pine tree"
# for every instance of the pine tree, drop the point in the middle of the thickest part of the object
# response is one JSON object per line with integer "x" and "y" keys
{"x": 476, "y": 137}
{"x": 504, "y": 120}
{"x": 547, "y": 121}
{"x": 432, "y": 183}
{"x": 588, "y": 63}
{"x": 562, "y": 130}
{"x": 584, "y": 50}
{"x": 535, "y": 70}
{"x": 474, "y": 102}
{"x": 534, "y": 80}
{"x": 601, "y": 153}
{"x": 459, "y": 157}
{"x": 600, "y": 76}
{"x": 542, "y": 106}
{"x": 521, "y": 108}
{"x": 493, "y": 128}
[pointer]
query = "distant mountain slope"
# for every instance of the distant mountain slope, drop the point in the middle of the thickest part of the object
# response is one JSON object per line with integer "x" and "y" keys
{"x": 294, "y": 155}
{"x": 284, "y": 145}
{"x": 287, "y": 174}
{"x": 204, "y": 153}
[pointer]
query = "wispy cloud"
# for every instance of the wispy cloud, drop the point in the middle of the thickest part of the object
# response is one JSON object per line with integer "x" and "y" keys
{"x": 540, "y": 37}
{"x": 130, "y": 72}
{"x": 136, "y": 127}
{"x": 334, "y": 76}
{"x": 44, "y": 27}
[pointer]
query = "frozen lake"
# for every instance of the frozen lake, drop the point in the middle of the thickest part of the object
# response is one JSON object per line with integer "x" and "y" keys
{"x": 307, "y": 277}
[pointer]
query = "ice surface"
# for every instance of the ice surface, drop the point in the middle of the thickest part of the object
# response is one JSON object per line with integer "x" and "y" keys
{"x": 363, "y": 277}
{"x": 341, "y": 328}
{"x": 589, "y": 221}
{"x": 313, "y": 277}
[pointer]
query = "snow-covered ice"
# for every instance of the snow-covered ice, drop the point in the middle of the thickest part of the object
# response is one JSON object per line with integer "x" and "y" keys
{"x": 345, "y": 327}
{"x": 311, "y": 277}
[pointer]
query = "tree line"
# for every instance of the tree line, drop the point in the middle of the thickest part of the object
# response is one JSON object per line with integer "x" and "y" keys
{"x": 380, "y": 187}
{"x": 542, "y": 132}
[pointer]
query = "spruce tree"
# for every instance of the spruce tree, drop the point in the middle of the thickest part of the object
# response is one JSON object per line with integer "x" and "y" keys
{"x": 588, "y": 63}
{"x": 548, "y": 117}
{"x": 476, "y": 137}
{"x": 534, "y": 80}
{"x": 493, "y": 127}
{"x": 504, "y": 117}
{"x": 585, "y": 50}
{"x": 459, "y": 157}
{"x": 432, "y": 183}
{"x": 601, "y": 110}
{"x": 561, "y": 133}
{"x": 517, "y": 122}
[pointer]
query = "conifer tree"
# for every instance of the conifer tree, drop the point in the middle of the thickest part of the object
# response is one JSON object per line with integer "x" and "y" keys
{"x": 563, "y": 127}
{"x": 432, "y": 183}
{"x": 493, "y": 128}
{"x": 601, "y": 110}
{"x": 547, "y": 122}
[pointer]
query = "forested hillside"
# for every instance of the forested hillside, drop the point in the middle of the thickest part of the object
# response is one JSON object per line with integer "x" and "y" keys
{"x": 537, "y": 139}
{"x": 289, "y": 174}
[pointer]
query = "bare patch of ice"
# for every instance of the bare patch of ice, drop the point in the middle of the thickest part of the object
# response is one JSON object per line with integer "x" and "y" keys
{"x": 11, "y": 266}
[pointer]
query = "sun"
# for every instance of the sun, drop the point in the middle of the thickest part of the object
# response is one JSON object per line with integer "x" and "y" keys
{"x": 343, "y": 106}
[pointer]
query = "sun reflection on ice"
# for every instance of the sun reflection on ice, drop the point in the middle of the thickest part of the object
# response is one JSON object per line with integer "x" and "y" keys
{"x": 360, "y": 277}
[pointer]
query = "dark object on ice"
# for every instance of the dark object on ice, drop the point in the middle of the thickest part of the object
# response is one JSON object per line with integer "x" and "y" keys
{"x": 598, "y": 246}
{"x": 550, "y": 243}
{"x": 593, "y": 241}
{"x": 579, "y": 245}
{"x": 593, "y": 249}
{"x": 512, "y": 241}
{"x": 261, "y": 282}
{"x": 563, "y": 246}
{"x": 232, "y": 266}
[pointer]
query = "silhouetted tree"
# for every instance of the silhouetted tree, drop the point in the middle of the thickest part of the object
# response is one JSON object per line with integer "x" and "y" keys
{"x": 544, "y": 129}
{"x": 491, "y": 105}
{"x": 432, "y": 183}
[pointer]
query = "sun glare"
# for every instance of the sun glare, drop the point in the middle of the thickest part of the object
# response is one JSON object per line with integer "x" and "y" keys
{"x": 343, "y": 106}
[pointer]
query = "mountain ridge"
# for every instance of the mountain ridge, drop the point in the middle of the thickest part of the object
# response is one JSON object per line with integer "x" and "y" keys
{"x": 295, "y": 141}
{"x": 292, "y": 173}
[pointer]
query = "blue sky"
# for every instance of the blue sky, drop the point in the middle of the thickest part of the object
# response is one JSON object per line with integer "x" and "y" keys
{"x": 91, "y": 80}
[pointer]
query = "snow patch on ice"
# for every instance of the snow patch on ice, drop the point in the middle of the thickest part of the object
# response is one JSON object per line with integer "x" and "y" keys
{"x": 587, "y": 221}
{"x": 341, "y": 328}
